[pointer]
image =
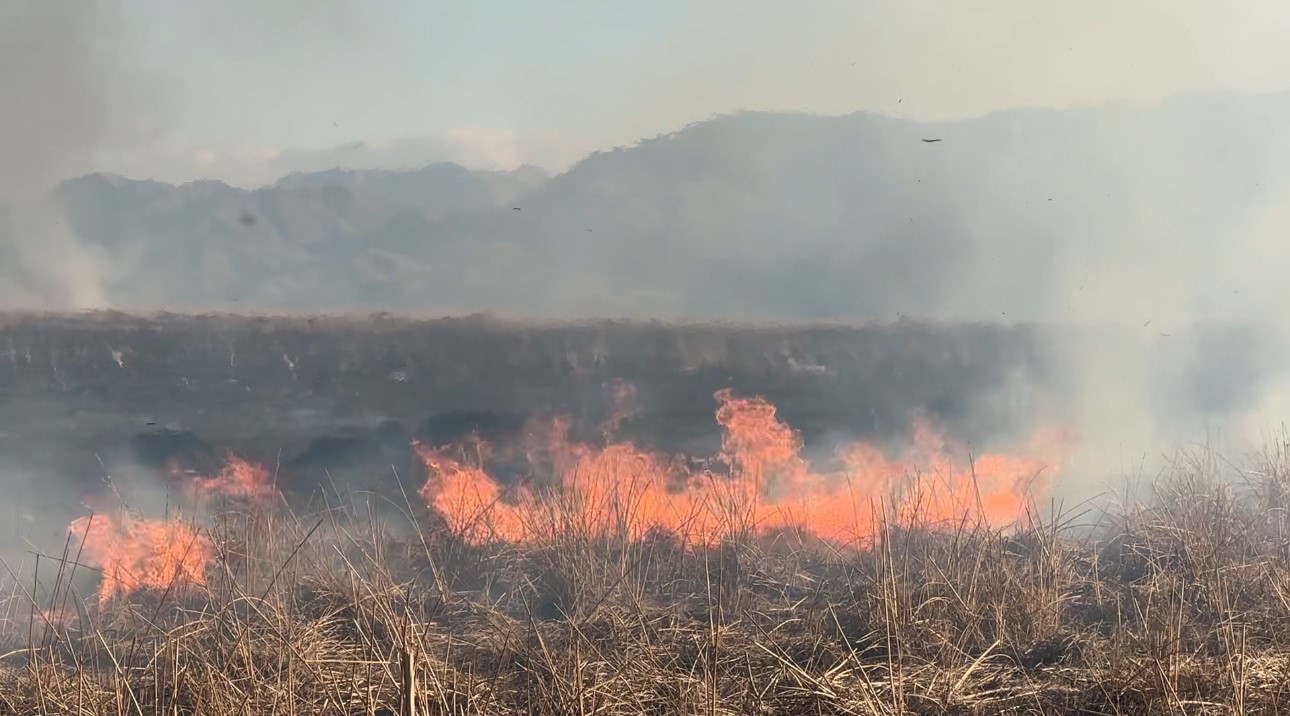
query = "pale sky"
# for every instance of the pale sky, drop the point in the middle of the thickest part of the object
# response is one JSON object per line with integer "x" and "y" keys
{"x": 502, "y": 82}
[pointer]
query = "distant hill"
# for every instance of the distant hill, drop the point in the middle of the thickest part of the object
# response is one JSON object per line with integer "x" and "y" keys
{"x": 323, "y": 240}
{"x": 754, "y": 215}
{"x": 438, "y": 189}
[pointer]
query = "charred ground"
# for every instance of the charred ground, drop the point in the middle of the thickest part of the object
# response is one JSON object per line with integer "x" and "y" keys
{"x": 349, "y": 394}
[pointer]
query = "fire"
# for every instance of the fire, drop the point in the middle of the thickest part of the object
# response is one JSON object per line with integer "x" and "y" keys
{"x": 138, "y": 554}
{"x": 135, "y": 553}
{"x": 469, "y": 500}
{"x": 239, "y": 478}
{"x": 767, "y": 485}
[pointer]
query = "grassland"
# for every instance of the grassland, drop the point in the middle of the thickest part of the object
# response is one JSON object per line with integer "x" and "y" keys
{"x": 1176, "y": 604}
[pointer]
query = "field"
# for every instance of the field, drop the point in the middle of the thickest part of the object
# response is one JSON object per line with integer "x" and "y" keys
{"x": 593, "y": 576}
{"x": 1179, "y": 607}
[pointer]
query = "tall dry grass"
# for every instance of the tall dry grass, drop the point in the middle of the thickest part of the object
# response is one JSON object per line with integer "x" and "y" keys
{"x": 1174, "y": 604}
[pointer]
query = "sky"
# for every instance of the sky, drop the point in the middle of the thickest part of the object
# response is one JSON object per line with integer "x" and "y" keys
{"x": 245, "y": 90}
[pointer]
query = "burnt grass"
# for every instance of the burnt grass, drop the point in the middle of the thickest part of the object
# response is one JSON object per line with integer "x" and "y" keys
{"x": 274, "y": 384}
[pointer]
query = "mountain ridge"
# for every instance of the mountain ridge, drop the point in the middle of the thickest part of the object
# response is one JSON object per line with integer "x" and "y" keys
{"x": 751, "y": 215}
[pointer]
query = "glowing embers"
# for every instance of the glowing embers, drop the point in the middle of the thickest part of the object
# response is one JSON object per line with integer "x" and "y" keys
{"x": 759, "y": 483}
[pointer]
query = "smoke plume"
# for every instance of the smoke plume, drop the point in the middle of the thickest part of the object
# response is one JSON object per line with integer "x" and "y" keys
{"x": 68, "y": 96}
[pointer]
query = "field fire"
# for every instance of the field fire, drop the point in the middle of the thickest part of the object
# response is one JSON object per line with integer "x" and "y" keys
{"x": 619, "y": 491}
{"x": 765, "y": 486}
{"x": 637, "y": 359}
{"x": 635, "y": 523}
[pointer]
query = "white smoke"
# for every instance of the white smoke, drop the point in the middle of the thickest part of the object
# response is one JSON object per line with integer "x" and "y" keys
{"x": 68, "y": 95}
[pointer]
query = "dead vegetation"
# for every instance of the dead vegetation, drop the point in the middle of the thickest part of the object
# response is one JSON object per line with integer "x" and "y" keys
{"x": 1177, "y": 604}
{"x": 254, "y": 375}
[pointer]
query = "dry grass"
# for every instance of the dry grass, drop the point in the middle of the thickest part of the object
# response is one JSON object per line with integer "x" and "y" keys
{"x": 1178, "y": 605}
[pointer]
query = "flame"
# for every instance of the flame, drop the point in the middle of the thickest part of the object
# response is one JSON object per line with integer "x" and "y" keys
{"x": 767, "y": 486}
{"x": 135, "y": 553}
{"x": 138, "y": 554}
{"x": 238, "y": 478}
{"x": 468, "y": 499}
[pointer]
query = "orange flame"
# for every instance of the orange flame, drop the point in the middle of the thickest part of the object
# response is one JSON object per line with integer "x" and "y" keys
{"x": 239, "y": 478}
{"x": 768, "y": 486}
{"x": 136, "y": 554}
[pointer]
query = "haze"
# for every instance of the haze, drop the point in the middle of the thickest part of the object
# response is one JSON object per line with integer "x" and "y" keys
{"x": 256, "y": 90}
{"x": 1107, "y": 162}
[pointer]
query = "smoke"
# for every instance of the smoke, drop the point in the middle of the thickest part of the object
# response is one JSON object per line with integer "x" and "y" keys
{"x": 68, "y": 95}
{"x": 923, "y": 59}
{"x": 1182, "y": 281}
{"x": 252, "y": 167}
{"x": 1148, "y": 238}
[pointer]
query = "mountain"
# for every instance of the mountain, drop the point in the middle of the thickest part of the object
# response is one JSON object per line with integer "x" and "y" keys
{"x": 438, "y": 189}
{"x": 326, "y": 240}
{"x": 765, "y": 215}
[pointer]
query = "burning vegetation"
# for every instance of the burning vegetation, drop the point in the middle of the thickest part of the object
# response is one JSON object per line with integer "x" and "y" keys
{"x": 607, "y": 578}
{"x": 759, "y": 484}
{"x": 134, "y": 553}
